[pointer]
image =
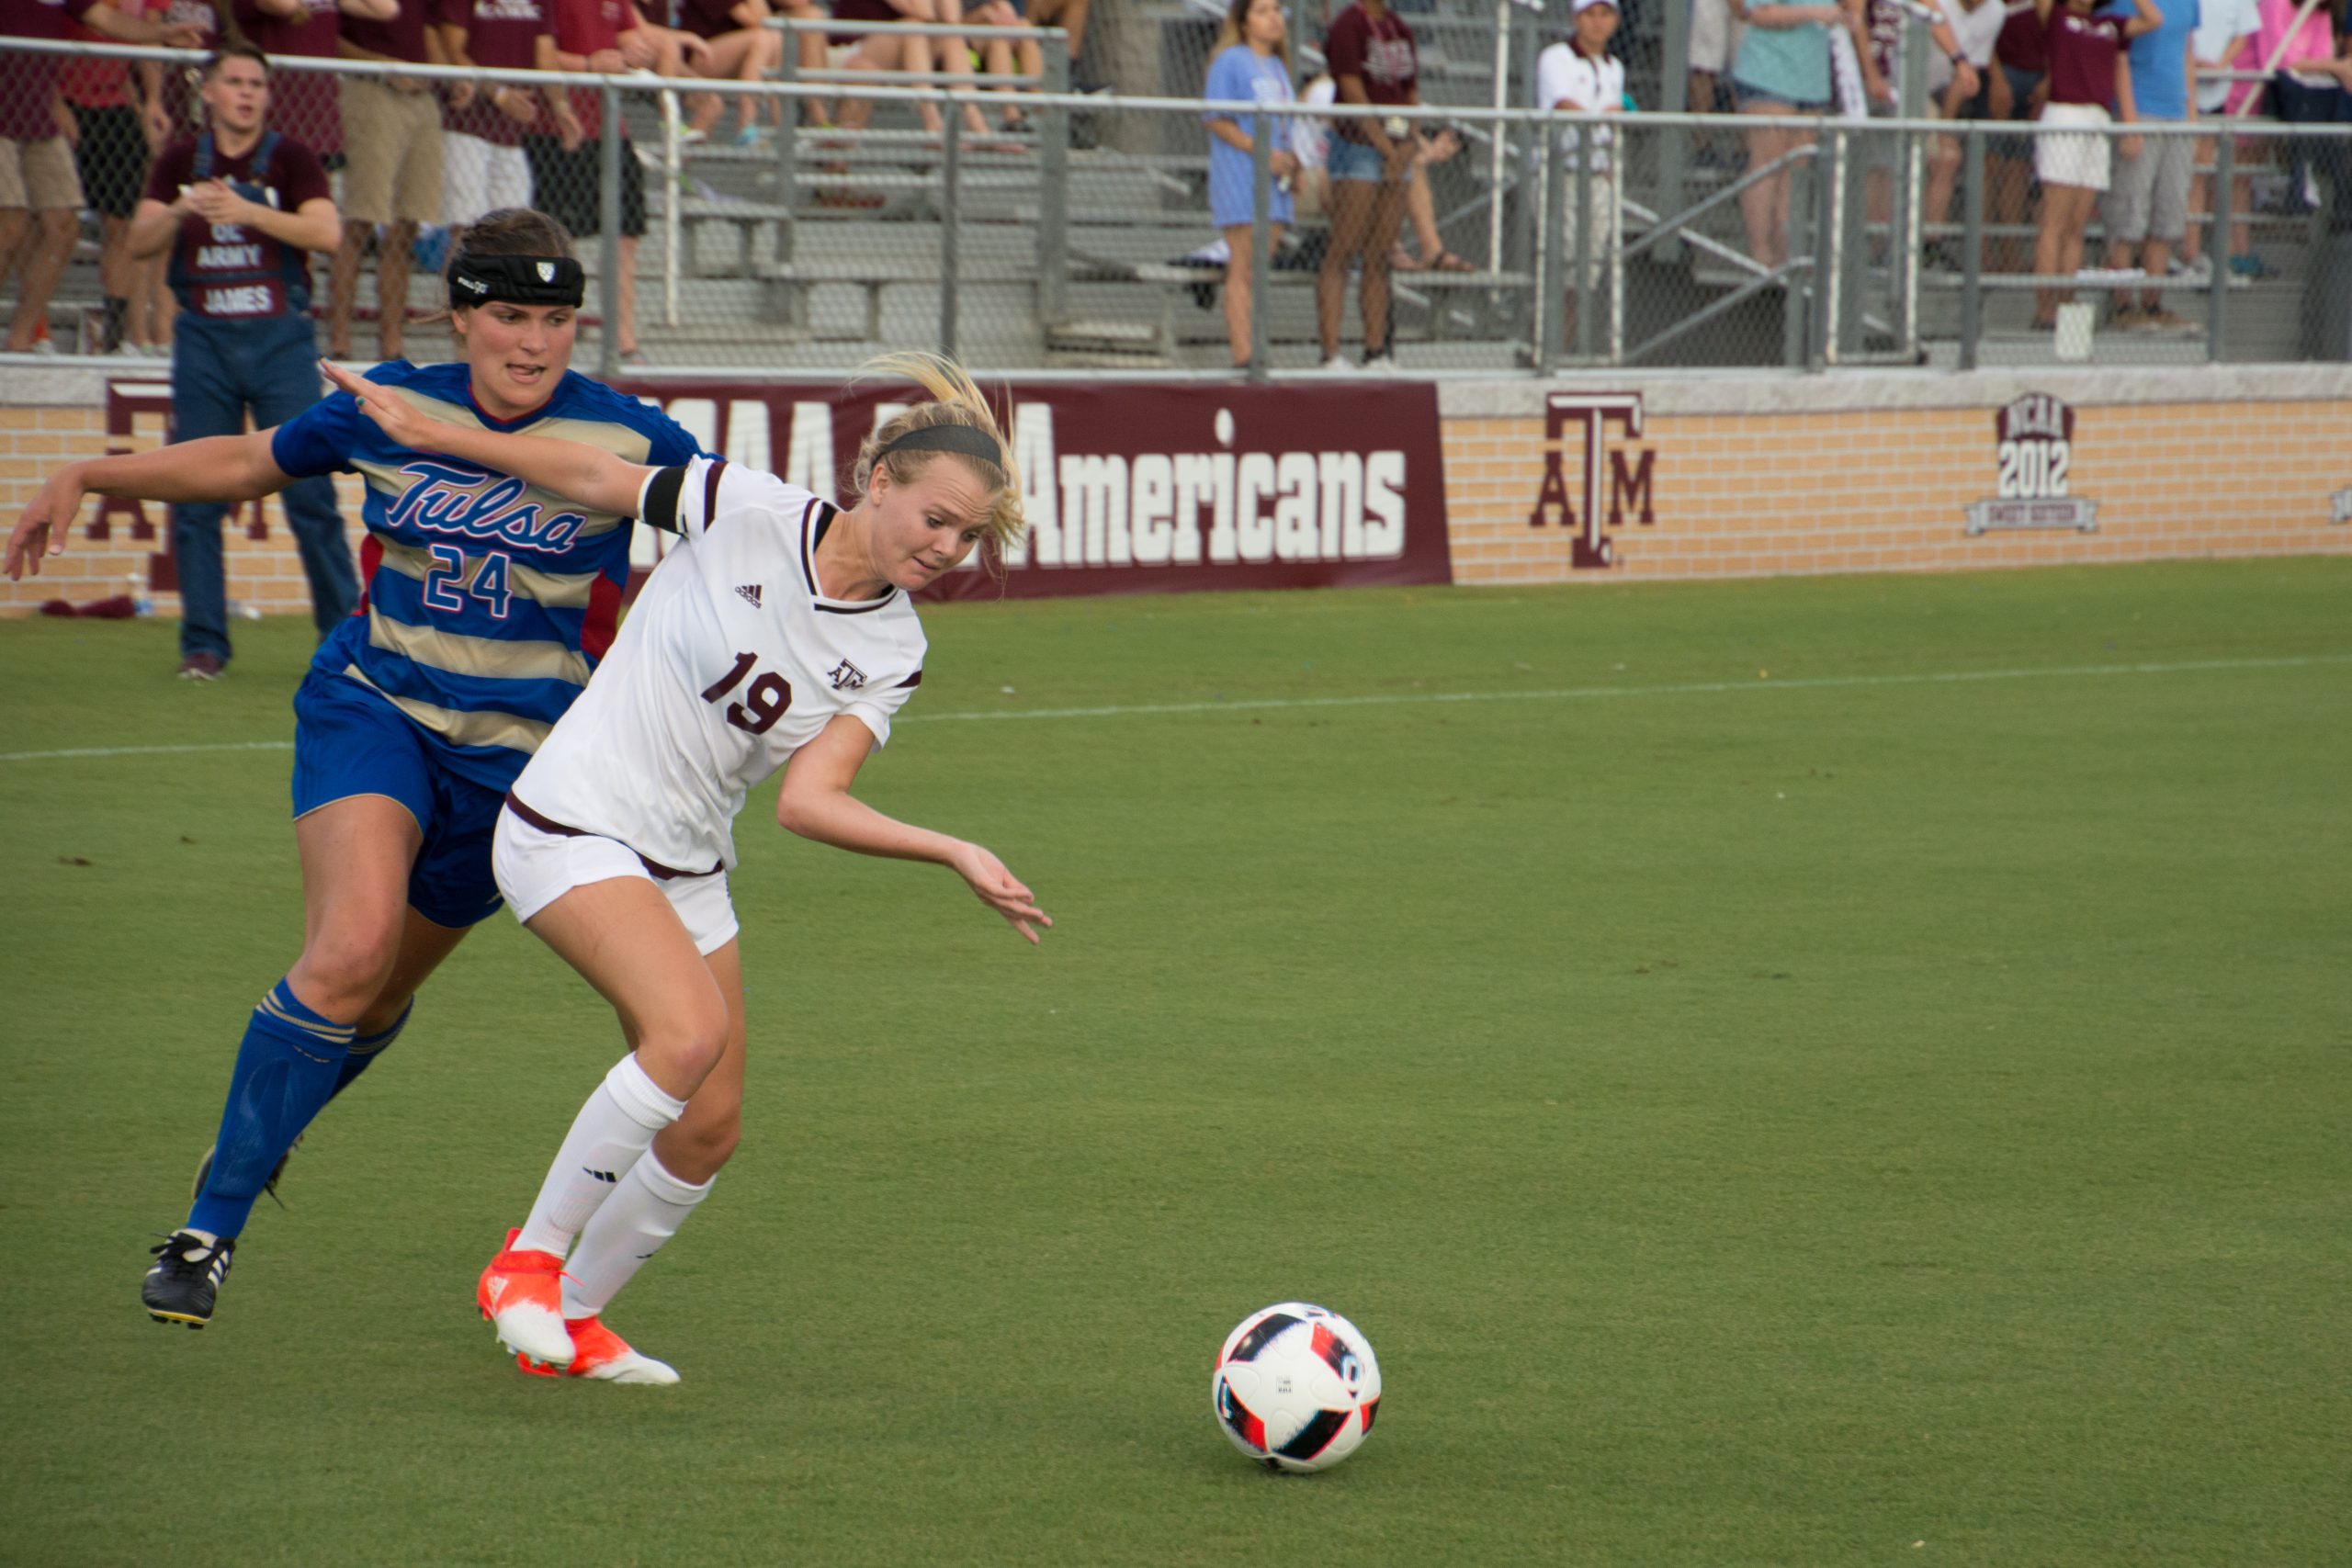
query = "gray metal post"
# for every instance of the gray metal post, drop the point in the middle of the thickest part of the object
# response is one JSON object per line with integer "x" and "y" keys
{"x": 1905, "y": 223}
{"x": 1971, "y": 257}
{"x": 1265, "y": 128}
{"x": 1797, "y": 290}
{"x": 787, "y": 152}
{"x": 1053, "y": 190}
{"x": 1581, "y": 198}
{"x": 2217, "y": 250}
{"x": 951, "y": 181}
{"x": 1829, "y": 193}
{"x": 1853, "y": 254}
{"x": 1548, "y": 282}
{"x": 1674, "y": 141}
{"x": 608, "y": 218}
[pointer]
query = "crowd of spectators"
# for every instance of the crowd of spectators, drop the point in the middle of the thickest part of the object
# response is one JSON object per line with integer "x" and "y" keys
{"x": 411, "y": 158}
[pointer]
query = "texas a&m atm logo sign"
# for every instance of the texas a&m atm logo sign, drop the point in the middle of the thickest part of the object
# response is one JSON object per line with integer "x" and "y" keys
{"x": 1579, "y": 426}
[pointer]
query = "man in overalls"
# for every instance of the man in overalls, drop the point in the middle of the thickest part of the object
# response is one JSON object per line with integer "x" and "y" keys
{"x": 239, "y": 208}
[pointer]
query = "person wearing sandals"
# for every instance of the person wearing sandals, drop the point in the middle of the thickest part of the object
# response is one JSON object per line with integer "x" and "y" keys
{"x": 1251, "y": 65}
{"x": 1421, "y": 209}
{"x": 1580, "y": 77}
{"x": 1374, "y": 59}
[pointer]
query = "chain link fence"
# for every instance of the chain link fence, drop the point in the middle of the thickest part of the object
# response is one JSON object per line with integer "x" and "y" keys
{"x": 1025, "y": 227}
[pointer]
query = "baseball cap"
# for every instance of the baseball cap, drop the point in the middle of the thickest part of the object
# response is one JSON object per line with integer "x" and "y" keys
{"x": 1581, "y": 7}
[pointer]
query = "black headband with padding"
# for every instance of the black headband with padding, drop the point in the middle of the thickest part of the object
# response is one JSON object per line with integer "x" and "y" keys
{"x": 517, "y": 281}
{"x": 970, "y": 440}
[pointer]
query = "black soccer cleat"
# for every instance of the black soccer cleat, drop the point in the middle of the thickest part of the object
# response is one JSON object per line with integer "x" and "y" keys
{"x": 278, "y": 1173}
{"x": 185, "y": 1277}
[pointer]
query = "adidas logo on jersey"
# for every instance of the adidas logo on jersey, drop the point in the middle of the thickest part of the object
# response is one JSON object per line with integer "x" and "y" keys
{"x": 750, "y": 596}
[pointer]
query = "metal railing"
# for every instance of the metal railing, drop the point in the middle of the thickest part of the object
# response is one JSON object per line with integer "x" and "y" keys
{"x": 1073, "y": 241}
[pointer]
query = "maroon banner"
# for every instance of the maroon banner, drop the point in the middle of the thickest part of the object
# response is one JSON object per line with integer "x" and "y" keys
{"x": 1146, "y": 489}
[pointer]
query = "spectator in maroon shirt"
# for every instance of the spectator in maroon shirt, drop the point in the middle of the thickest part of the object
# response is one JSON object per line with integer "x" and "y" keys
{"x": 239, "y": 208}
{"x": 1373, "y": 61}
{"x": 41, "y": 194}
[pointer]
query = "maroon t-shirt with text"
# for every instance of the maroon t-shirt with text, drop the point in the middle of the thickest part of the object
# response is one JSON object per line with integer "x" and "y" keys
{"x": 501, "y": 34}
{"x": 303, "y": 105}
{"x": 233, "y": 269}
{"x": 1382, "y": 54}
{"x": 2082, "y": 58}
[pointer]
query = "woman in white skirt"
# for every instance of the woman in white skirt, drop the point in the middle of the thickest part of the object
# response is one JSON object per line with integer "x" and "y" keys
{"x": 779, "y": 632}
{"x": 2088, "y": 73}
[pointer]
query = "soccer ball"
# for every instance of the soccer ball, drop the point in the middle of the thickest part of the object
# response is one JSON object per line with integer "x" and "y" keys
{"x": 1296, "y": 1387}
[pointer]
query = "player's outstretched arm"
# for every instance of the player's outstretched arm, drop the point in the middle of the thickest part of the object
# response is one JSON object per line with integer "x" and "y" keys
{"x": 815, "y": 803}
{"x": 586, "y": 475}
{"x": 218, "y": 468}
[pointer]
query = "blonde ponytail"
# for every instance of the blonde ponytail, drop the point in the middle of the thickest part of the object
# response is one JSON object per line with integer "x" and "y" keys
{"x": 956, "y": 399}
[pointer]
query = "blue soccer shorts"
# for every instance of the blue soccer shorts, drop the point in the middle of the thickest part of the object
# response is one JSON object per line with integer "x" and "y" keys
{"x": 349, "y": 740}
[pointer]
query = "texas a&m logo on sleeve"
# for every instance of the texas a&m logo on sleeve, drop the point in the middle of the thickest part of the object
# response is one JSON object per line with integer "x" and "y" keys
{"x": 2034, "y": 451}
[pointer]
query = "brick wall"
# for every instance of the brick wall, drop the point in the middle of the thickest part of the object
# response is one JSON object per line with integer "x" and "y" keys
{"x": 37, "y": 441}
{"x": 1751, "y": 476}
{"x": 1747, "y": 475}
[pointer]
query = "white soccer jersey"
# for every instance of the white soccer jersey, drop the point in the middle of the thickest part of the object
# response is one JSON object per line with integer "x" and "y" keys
{"x": 730, "y": 660}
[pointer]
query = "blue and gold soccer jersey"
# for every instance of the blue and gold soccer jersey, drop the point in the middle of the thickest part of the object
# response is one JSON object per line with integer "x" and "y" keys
{"x": 486, "y": 603}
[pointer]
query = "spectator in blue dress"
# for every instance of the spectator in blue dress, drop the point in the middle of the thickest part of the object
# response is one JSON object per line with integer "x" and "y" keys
{"x": 1251, "y": 65}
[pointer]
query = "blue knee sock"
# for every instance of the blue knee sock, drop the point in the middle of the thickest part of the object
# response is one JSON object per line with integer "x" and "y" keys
{"x": 368, "y": 1047}
{"x": 287, "y": 1069}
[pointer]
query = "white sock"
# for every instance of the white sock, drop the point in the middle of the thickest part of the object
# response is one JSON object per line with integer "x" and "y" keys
{"x": 607, "y": 1138}
{"x": 645, "y": 1212}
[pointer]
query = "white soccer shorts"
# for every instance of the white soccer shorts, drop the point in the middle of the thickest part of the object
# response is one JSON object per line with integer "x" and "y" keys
{"x": 534, "y": 868}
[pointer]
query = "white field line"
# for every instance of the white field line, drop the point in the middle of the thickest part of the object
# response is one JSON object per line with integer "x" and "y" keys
{"x": 1557, "y": 694}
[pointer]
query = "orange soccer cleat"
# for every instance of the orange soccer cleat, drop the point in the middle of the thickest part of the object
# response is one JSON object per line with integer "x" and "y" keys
{"x": 521, "y": 1293}
{"x": 598, "y": 1352}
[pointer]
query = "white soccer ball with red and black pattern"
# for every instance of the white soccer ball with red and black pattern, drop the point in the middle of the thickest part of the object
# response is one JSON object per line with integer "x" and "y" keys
{"x": 1296, "y": 1387}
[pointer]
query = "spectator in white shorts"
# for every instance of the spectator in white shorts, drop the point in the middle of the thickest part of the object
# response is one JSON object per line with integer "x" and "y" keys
{"x": 2147, "y": 205}
{"x": 2087, "y": 72}
{"x": 1582, "y": 77}
{"x": 392, "y": 171}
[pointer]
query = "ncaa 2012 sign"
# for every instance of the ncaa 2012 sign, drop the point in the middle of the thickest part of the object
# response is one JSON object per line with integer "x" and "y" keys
{"x": 2034, "y": 466}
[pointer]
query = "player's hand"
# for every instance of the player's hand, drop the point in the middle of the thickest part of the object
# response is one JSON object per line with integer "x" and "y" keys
{"x": 462, "y": 95}
{"x": 2130, "y": 146}
{"x": 999, "y": 889}
{"x": 568, "y": 133}
{"x": 155, "y": 123}
{"x": 607, "y": 63}
{"x": 185, "y": 35}
{"x": 47, "y": 523}
{"x": 394, "y": 414}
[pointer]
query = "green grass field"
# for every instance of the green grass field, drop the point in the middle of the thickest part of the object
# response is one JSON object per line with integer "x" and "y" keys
{"x": 1819, "y": 1072}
